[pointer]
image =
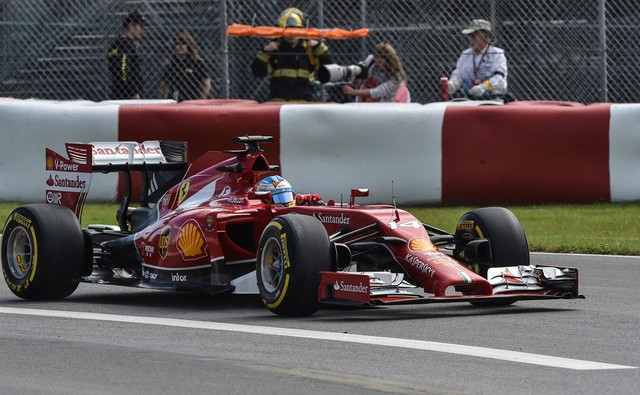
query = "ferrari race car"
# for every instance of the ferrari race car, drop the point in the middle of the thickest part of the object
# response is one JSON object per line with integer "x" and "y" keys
{"x": 205, "y": 226}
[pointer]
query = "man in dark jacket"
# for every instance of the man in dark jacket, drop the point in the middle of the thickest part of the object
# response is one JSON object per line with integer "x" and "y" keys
{"x": 124, "y": 60}
{"x": 291, "y": 63}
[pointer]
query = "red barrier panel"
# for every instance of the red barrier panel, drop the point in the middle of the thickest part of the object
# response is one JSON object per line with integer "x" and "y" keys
{"x": 204, "y": 128}
{"x": 217, "y": 102}
{"x": 546, "y": 103}
{"x": 535, "y": 153}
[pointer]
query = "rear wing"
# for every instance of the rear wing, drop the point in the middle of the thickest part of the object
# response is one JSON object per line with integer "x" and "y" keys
{"x": 116, "y": 156}
{"x": 161, "y": 165}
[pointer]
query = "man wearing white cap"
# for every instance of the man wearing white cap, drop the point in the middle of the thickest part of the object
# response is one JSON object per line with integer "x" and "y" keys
{"x": 481, "y": 71}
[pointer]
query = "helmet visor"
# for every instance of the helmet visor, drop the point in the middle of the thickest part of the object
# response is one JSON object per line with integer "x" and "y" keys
{"x": 284, "y": 197}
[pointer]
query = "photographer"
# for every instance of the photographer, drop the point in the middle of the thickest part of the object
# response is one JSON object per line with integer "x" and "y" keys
{"x": 291, "y": 63}
{"x": 387, "y": 80}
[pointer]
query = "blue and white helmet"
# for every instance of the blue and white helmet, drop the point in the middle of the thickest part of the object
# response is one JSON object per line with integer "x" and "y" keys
{"x": 280, "y": 189}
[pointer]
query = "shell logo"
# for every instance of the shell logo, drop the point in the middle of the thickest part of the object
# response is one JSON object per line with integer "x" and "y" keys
{"x": 421, "y": 245}
{"x": 191, "y": 242}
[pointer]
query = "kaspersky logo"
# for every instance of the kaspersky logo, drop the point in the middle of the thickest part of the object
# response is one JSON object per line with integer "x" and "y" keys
{"x": 346, "y": 287}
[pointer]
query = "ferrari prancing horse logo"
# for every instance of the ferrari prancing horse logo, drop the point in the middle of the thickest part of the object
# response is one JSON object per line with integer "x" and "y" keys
{"x": 183, "y": 191}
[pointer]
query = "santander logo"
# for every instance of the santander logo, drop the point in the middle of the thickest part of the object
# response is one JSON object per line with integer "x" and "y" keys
{"x": 346, "y": 287}
{"x": 333, "y": 219}
{"x": 64, "y": 182}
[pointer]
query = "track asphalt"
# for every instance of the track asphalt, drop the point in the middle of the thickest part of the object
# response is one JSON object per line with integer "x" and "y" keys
{"x": 112, "y": 340}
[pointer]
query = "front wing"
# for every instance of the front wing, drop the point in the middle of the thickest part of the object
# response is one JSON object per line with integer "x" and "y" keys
{"x": 509, "y": 284}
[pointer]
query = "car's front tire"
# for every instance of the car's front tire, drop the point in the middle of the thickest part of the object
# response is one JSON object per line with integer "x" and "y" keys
{"x": 43, "y": 253}
{"x": 507, "y": 239}
{"x": 293, "y": 250}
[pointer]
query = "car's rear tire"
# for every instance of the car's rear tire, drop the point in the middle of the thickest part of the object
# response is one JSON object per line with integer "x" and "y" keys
{"x": 43, "y": 252}
{"x": 508, "y": 241}
{"x": 293, "y": 250}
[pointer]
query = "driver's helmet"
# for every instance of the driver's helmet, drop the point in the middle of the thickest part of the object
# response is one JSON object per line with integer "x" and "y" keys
{"x": 280, "y": 189}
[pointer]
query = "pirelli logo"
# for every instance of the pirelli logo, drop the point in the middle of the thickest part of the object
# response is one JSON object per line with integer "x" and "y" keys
{"x": 465, "y": 225}
{"x": 22, "y": 220}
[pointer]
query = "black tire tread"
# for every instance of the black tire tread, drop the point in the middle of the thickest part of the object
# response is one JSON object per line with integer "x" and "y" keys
{"x": 509, "y": 245}
{"x": 309, "y": 254}
{"x": 61, "y": 254}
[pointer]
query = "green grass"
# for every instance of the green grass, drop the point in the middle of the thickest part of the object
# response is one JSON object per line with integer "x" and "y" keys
{"x": 94, "y": 213}
{"x": 99, "y": 213}
{"x": 602, "y": 228}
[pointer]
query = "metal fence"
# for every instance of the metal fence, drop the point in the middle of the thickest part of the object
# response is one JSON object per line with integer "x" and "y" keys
{"x": 579, "y": 50}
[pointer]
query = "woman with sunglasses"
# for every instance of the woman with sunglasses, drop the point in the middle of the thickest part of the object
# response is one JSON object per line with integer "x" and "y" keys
{"x": 185, "y": 77}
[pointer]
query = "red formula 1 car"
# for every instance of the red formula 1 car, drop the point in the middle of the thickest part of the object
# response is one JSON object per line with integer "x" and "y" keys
{"x": 205, "y": 226}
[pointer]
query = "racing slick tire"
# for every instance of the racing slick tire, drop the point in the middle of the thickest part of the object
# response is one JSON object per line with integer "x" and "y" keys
{"x": 42, "y": 252}
{"x": 293, "y": 250}
{"x": 507, "y": 239}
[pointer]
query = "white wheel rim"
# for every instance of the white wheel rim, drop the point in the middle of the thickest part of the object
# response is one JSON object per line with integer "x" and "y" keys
{"x": 271, "y": 265}
{"x": 19, "y": 252}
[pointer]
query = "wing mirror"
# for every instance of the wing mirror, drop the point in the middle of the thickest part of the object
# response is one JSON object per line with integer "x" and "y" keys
{"x": 358, "y": 192}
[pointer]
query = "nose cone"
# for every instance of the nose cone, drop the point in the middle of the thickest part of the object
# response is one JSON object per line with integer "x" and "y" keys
{"x": 441, "y": 271}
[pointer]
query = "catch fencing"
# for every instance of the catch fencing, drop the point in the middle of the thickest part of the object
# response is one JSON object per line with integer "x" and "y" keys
{"x": 577, "y": 50}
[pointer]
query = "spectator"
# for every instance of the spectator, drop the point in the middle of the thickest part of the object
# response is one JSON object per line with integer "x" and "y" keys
{"x": 124, "y": 61}
{"x": 291, "y": 63}
{"x": 481, "y": 71}
{"x": 185, "y": 78}
{"x": 387, "y": 80}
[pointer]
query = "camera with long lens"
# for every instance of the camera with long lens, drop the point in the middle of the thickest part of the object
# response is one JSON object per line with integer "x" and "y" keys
{"x": 336, "y": 74}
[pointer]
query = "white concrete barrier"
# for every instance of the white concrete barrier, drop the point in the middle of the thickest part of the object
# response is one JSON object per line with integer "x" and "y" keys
{"x": 431, "y": 153}
{"x": 28, "y": 126}
{"x": 529, "y": 152}
{"x": 332, "y": 148}
{"x": 624, "y": 152}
